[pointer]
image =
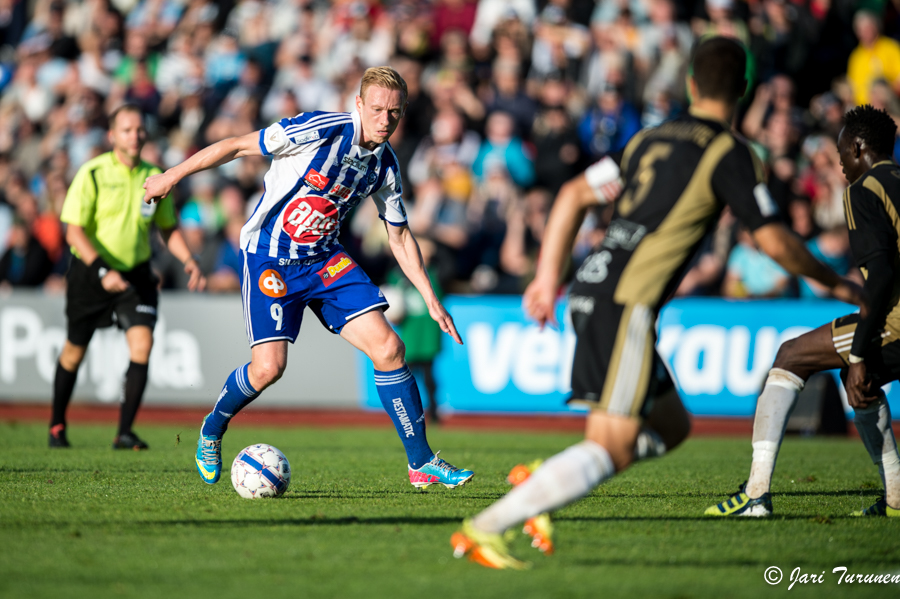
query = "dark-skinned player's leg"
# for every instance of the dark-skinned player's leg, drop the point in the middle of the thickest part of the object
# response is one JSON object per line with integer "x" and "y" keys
{"x": 796, "y": 361}
{"x": 809, "y": 353}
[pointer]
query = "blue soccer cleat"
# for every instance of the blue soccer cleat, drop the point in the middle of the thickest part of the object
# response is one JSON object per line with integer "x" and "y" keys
{"x": 209, "y": 456}
{"x": 740, "y": 504}
{"x": 437, "y": 471}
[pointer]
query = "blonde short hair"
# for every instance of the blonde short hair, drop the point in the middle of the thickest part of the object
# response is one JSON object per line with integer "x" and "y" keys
{"x": 385, "y": 77}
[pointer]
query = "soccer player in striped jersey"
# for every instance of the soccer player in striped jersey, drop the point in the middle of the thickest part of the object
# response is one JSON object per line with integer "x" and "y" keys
{"x": 323, "y": 165}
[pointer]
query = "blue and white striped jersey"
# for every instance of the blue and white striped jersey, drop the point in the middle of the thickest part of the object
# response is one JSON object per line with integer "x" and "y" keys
{"x": 318, "y": 175}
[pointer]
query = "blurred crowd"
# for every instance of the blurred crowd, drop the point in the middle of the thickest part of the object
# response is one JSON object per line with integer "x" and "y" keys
{"x": 508, "y": 99}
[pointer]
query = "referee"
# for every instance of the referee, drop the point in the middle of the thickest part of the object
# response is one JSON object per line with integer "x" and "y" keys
{"x": 109, "y": 278}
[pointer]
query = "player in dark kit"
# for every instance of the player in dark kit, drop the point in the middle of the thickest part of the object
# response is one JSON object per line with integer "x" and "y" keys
{"x": 865, "y": 346}
{"x": 109, "y": 278}
{"x": 677, "y": 179}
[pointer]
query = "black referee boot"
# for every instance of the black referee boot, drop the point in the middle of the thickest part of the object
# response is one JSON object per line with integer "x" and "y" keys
{"x": 57, "y": 437}
{"x": 129, "y": 441}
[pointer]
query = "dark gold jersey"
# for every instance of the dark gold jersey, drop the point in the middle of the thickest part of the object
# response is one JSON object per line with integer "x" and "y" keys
{"x": 678, "y": 178}
{"x": 872, "y": 211}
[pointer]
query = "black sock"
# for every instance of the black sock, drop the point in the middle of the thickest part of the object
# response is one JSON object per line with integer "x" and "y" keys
{"x": 135, "y": 382}
{"x": 63, "y": 385}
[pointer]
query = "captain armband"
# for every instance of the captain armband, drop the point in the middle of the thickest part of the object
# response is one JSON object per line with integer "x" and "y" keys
{"x": 854, "y": 359}
{"x": 604, "y": 179}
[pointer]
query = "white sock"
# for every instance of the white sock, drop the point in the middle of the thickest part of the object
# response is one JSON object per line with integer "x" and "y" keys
{"x": 772, "y": 410}
{"x": 874, "y": 426}
{"x": 559, "y": 481}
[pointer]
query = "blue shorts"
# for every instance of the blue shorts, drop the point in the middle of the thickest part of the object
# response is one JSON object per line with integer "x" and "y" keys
{"x": 275, "y": 291}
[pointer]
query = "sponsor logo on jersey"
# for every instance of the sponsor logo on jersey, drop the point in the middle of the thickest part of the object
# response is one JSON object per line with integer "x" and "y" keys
{"x": 308, "y": 219}
{"x": 308, "y": 137}
{"x": 340, "y": 191}
{"x": 271, "y": 283}
{"x": 316, "y": 180}
{"x": 354, "y": 163}
{"x": 581, "y": 303}
{"x": 297, "y": 261}
{"x": 624, "y": 234}
{"x": 339, "y": 265}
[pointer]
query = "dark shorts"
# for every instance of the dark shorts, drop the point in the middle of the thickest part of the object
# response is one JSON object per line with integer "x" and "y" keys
{"x": 616, "y": 367}
{"x": 882, "y": 360}
{"x": 90, "y": 307}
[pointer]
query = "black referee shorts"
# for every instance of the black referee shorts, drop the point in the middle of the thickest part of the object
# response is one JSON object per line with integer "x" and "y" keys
{"x": 90, "y": 307}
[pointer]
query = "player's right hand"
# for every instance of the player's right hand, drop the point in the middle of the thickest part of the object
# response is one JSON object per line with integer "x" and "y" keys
{"x": 156, "y": 188}
{"x": 539, "y": 301}
{"x": 196, "y": 282}
{"x": 440, "y": 315}
{"x": 861, "y": 390}
{"x": 852, "y": 293}
{"x": 113, "y": 282}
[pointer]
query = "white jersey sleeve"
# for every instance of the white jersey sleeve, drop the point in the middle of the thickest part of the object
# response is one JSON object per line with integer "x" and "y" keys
{"x": 604, "y": 178}
{"x": 304, "y": 133}
{"x": 389, "y": 199}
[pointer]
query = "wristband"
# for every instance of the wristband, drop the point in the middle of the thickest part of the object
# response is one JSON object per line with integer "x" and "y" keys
{"x": 854, "y": 359}
{"x": 99, "y": 268}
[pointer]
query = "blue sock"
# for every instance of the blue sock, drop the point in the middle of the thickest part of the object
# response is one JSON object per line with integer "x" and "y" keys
{"x": 399, "y": 395}
{"x": 236, "y": 395}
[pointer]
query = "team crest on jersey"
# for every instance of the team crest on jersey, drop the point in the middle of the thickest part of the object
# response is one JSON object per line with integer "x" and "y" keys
{"x": 339, "y": 265}
{"x": 271, "y": 284}
{"x": 340, "y": 191}
{"x": 354, "y": 163}
{"x": 316, "y": 180}
{"x": 372, "y": 176}
{"x": 308, "y": 219}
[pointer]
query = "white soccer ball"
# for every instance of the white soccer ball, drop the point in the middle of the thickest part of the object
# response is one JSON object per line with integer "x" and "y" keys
{"x": 260, "y": 471}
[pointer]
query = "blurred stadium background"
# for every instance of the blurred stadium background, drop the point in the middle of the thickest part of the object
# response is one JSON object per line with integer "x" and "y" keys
{"x": 508, "y": 100}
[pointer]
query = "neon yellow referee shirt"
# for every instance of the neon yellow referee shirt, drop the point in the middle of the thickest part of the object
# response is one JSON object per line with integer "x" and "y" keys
{"x": 106, "y": 199}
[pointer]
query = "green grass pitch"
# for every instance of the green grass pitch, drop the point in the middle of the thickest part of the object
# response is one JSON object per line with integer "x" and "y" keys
{"x": 90, "y": 522}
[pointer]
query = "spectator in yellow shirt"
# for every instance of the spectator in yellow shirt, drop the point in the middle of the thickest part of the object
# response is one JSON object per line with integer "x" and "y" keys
{"x": 876, "y": 57}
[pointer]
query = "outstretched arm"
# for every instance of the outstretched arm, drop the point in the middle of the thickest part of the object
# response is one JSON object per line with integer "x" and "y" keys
{"x": 573, "y": 200}
{"x": 788, "y": 250}
{"x": 409, "y": 257}
{"x": 221, "y": 152}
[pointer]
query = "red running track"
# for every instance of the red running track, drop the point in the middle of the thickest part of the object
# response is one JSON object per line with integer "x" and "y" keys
{"x": 100, "y": 414}
{"x": 103, "y": 414}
